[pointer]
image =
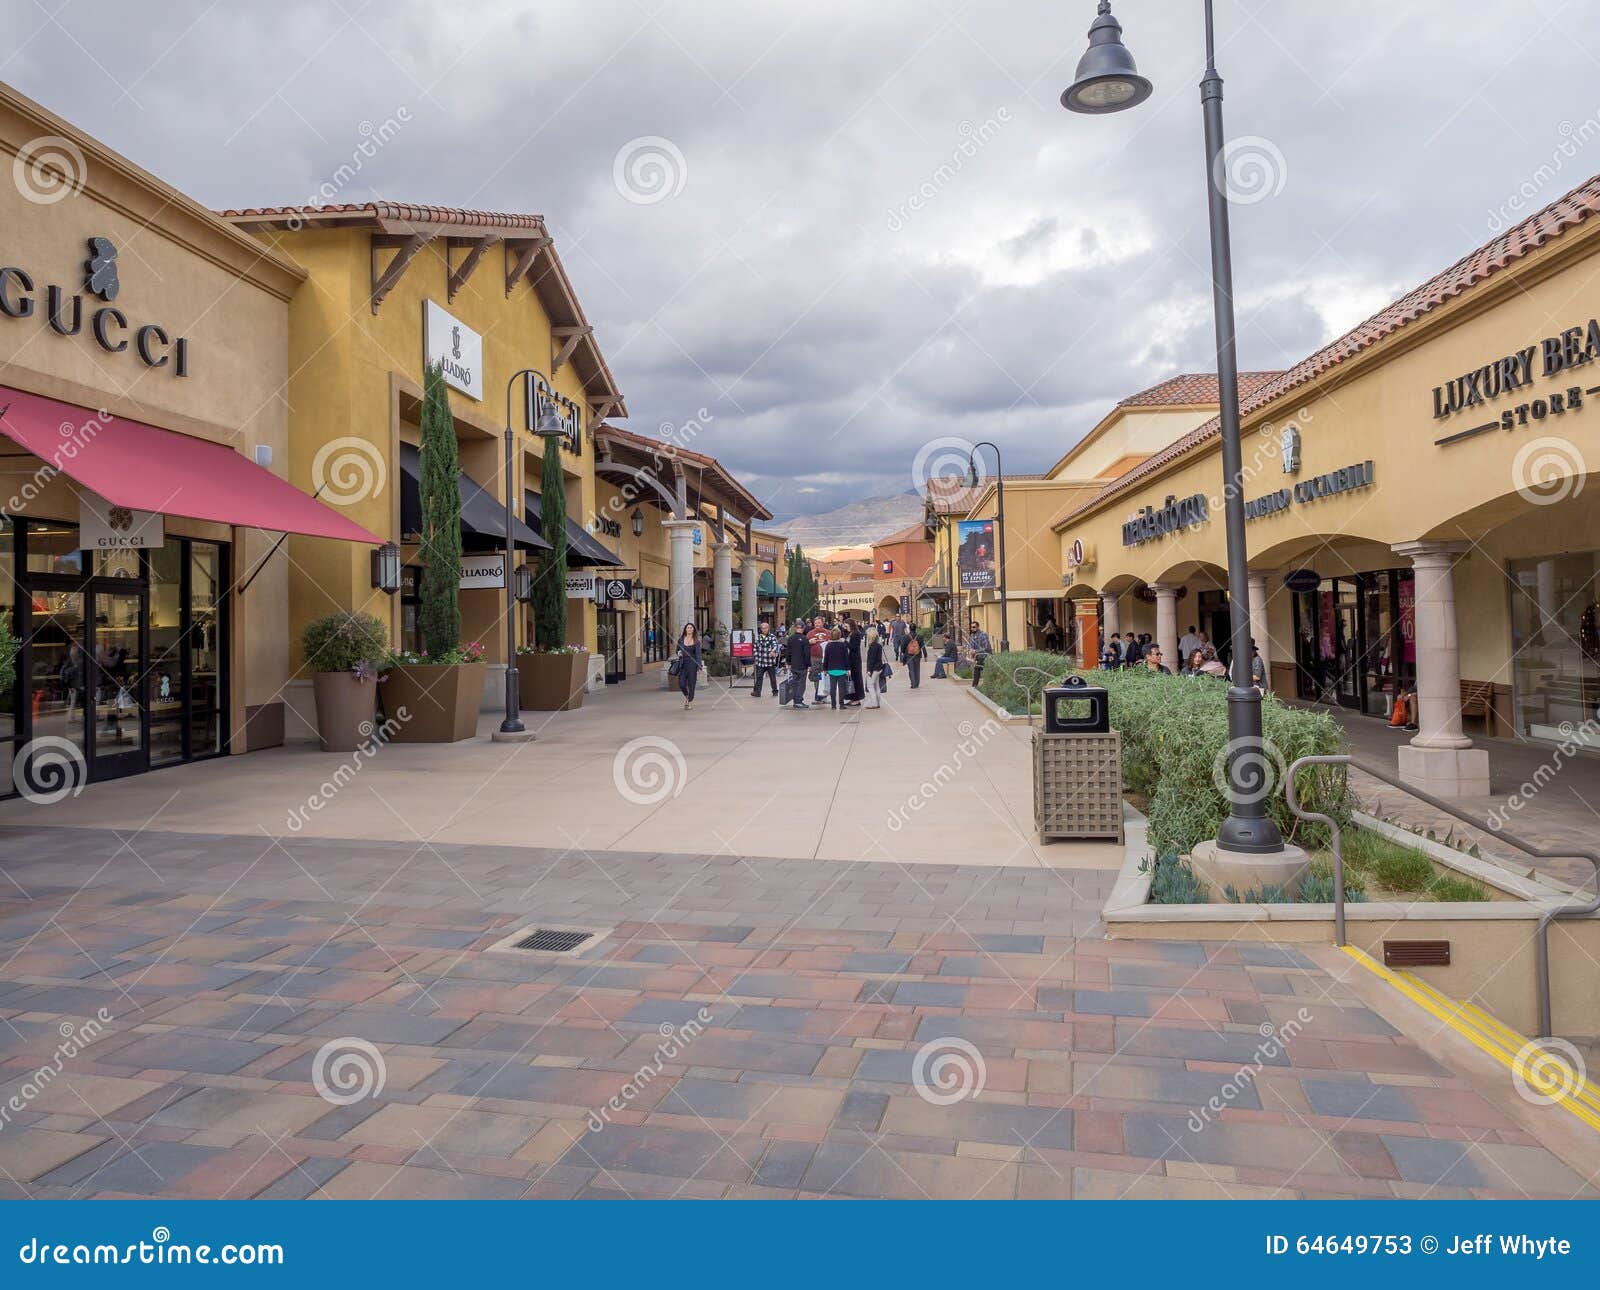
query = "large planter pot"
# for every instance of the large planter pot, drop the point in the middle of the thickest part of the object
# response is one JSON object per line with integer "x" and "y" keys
{"x": 347, "y": 710}
{"x": 432, "y": 703}
{"x": 552, "y": 682}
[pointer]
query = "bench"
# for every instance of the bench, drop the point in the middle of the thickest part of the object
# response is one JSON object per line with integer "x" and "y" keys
{"x": 1477, "y": 700}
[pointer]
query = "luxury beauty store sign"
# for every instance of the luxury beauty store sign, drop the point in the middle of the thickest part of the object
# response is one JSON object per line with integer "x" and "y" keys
{"x": 1567, "y": 351}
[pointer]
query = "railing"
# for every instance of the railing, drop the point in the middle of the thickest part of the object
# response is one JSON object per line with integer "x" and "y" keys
{"x": 1541, "y": 935}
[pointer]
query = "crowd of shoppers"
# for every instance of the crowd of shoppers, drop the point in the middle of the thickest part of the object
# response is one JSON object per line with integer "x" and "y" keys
{"x": 1197, "y": 656}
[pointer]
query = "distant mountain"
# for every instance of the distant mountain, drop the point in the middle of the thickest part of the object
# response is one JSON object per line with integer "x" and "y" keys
{"x": 854, "y": 524}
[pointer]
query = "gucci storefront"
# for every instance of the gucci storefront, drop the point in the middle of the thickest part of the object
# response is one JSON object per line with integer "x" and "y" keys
{"x": 143, "y": 452}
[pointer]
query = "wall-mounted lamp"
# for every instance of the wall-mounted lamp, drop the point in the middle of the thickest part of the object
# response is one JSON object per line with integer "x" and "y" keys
{"x": 386, "y": 568}
{"x": 523, "y": 581}
{"x": 638, "y": 522}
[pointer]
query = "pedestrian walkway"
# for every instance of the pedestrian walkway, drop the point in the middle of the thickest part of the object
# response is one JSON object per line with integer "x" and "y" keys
{"x": 929, "y": 778}
{"x": 293, "y": 1017}
{"x": 1543, "y": 795}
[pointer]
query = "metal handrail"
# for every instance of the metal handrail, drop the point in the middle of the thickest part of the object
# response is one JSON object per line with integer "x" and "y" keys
{"x": 1541, "y": 934}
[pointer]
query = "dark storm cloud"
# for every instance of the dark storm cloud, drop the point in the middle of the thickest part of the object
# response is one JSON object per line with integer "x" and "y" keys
{"x": 885, "y": 229}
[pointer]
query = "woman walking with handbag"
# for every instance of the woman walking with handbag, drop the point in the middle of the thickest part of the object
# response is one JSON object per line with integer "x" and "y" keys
{"x": 686, "y": 664}
{"x": 875, "y": 669}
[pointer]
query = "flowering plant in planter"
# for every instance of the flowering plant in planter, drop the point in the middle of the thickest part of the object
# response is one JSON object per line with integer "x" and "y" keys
{"x": 344, "y": 651}
{"x": 524, "y": 650}
{"x": 456, "y": 657}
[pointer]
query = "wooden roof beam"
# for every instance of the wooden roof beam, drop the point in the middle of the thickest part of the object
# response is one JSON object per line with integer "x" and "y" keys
{"x": 405, "y": 251}
{"x": 459, "y": 276}
{"x": 520, "y": 255}
{"x": 569, "y": 338}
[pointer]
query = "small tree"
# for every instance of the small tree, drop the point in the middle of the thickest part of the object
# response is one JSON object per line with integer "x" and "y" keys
{"x": 802, "y": 587}
{"x": 550, "y": 592}
{"x": 439, "y": 492}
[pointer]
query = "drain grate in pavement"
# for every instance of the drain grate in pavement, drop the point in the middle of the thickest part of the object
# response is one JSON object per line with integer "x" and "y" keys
{"x": 552, "y": 939}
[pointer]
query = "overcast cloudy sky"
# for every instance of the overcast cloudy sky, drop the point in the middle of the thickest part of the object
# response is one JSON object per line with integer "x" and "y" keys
{"x": 847, "y": 229}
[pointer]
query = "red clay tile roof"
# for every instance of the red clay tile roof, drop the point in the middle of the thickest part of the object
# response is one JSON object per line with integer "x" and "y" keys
{"x": 410, "y": 212}
{"x": 1193, "y": 388}
{"x": 1566, "y": 212}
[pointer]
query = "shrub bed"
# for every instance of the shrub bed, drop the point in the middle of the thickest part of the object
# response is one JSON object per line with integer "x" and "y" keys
{"x": 1016, "y": 680}
{"x": 1174, "y": 736}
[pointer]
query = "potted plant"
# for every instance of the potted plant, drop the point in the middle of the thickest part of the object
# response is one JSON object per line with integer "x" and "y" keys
{"x": 434, "y": 698}
{"x": 439, "y": 688}
{"x": 551, "y": 674}
{"x": 552, "y": 680}
{"x": 344, "y": 652}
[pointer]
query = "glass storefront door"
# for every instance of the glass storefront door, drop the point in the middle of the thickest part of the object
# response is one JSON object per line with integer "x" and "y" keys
{"x": 610, "y": 639}
{"x": 1555, "y": 646}
{"x": 1354, "y": 641}
{"x": 123, "y": 660}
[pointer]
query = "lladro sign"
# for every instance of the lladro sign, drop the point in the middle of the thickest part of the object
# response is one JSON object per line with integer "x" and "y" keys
{"x": 64, "y": 311}
{"x": 1571, "y": 349}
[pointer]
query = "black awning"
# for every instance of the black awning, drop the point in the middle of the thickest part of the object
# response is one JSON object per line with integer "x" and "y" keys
{"x": 584, "y": 550}
{"x": 483, "y": 520}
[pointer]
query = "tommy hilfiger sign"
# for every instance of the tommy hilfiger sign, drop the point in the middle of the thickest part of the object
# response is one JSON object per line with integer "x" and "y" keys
{"x": 1572, "y": 348}
{"x": 64, "y": 311}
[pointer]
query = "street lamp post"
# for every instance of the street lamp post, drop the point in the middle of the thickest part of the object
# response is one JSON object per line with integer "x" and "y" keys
{"x": 511, "y": 726}
{"x": 1108, "y": 81}
{"x": 1000, "y": 525}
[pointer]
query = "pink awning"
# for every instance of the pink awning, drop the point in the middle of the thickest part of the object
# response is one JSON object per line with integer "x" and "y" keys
{"x": 149, "y": 469}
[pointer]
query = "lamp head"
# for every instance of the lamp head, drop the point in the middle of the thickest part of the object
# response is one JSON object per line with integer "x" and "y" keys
{"x": 1107, "y": 79}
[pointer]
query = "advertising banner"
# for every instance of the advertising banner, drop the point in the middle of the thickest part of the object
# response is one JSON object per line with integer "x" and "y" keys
{"x": 976, "y": 556}
{"x": 742, "y": 644}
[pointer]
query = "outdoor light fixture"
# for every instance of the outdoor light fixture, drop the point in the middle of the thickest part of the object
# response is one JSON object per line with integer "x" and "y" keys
{"x": 999, "y": 524}
{"x": 1107, "y": 82}
{"x": 524, "y": 580}
{"x": 1106, "y": 79}
{"x": 386, "y": 568}
{"x": 638, "y": 522}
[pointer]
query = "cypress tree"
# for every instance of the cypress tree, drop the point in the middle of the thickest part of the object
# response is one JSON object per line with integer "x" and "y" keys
{"x": 550, "y": 593}
{"x": 439, "y": 492}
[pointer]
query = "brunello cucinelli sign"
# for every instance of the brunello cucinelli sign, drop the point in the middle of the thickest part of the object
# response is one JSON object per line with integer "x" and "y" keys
{"x": 1344, "y": 480}
{"x": 1174, "y": 514}
{"x": 66, "y": 312}
{"x": 1567, "y": 351}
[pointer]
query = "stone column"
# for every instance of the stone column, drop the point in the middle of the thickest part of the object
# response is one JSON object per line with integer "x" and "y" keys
{"x": 721, "y": 589}
{"x": 1440, "y": 758}
{"x": 680, "y": 577}
{"x": 749, "y": 577}
{"x": 1167, "y": 624}
{"x": 1087, "y": 611}
{"x": 1111, "y": 615}
{"x": 1258, "y": 620}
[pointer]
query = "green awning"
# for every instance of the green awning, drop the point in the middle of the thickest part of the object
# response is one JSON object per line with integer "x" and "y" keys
{"x": 768, "y": 585}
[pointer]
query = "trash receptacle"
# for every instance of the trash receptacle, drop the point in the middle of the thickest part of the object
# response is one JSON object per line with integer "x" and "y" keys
{"x": 1077, "y": 765}
{"x": 1076, "y": 707}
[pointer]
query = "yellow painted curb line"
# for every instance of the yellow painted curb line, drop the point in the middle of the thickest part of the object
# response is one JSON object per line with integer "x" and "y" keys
{"x": 1497, "y": 1040}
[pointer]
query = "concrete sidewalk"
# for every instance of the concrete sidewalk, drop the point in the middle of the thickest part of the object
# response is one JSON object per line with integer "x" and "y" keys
{"x": 929, "y": 778}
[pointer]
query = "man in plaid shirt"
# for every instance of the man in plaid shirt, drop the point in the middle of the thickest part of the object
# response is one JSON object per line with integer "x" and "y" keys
{"x": 768, "y": 650}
